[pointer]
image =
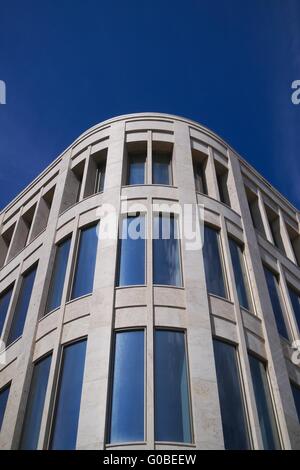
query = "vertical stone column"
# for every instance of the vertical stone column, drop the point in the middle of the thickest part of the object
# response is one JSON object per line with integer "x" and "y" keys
{"x": 94, "y": 404}
{"x": 276, "y": 363}
{"x": 204, "y": 391}
{"x": 211, "y": 176}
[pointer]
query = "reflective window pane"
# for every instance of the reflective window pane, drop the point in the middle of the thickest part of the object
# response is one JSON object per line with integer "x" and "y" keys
{"x": 86, "y": 261}
{"x": 35, "y": 404}
{"x": 100, "y": 177}
{"x": 20, "y": 313}
{"x": 296, "y": 395}
{"x": 172, "y": 403}
{"x": 161, "y": 169}
{"x": 66, "y": 416}
{"x": 166, "y": 251}
{"x": 3, "y": 400}
{"x": 240, "y": 275}
{"x": 4, "y": 304}
{"x": 131, "y": 255}
{"x": 136, "y": 169}
{"x": 273, "y": 289}
{"x": 127, "y": 406}
{"x": 213, "y": 265}
{"x": 58, "y": 275}
{"x": 199, "y": 176}
{"x": 264, "y": 404}
{"x": 295, "y": 299}
{"x": 234, "y": 421}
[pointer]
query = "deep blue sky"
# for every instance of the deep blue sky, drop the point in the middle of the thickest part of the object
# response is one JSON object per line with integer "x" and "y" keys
{"x": 228, "y": 64}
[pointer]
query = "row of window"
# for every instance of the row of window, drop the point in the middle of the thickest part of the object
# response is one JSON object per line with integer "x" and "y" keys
{"x": 280, "y": 233}
{"x": 29, "y": 224}
{"x": 136, "y": 170}
{"x": 167, "y": 270}
{"x": 172, "y": 410}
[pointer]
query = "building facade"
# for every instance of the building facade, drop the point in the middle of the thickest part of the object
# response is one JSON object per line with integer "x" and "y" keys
{"x": 148, "y": 342}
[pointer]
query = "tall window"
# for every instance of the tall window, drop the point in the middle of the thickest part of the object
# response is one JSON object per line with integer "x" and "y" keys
{"x": 240, "y": 275}
{"x": 100, "y": 177}
{"x": 4, "y": 304}
{"x": 276, "y": 302}
{"x": 234, "y": 421}
{"x": 127, "y": 404}
{"x": 295, "y": 299}
{"x": 136, "y": 168}
{"x": 131, "y": 256}
{"x": 264, "y": 406}
{"x": 222, "y": 177}
{"x": 199, "y": 176}
{"x": 166, "y": 251}
{"x": 19, "y": 318}
{"x": 35, "y": 404}
{"x": 172, "y": 402}
{"x": 296, "y": 395}
{"x": 58, "y": 275}
{"x": 214, "y": 272}
{"x": 86, "y": 261}
{"x": 3, "y": 400}
{"x": 161, "y": 169}
{"x": 66, "y": 415}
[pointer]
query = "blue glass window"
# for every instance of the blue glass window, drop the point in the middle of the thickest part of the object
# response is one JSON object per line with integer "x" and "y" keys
{"x": 296, "y": 395}
{"x": 66, "y": 416}
{"x": 213, "y": 265}
{"x": 127, "y": 406}
{"x": 276, "y": 304}
{"x": 3, "y": 400}
{"x": 131, "y": 256}
{"x": 100, "y": 177}
{"x": 4, "y": 304}
{"x": 35, "y": 404}
{"x": 295, "y": 299}
{"x": 161, "y": 169}
{"x": 199, "y": 176}
{"x": 86, "y": 261}
{"x": 166, "y": 251}
{"x": 58, "y": 275}
{"x": 234, "y": 421}
{"x": 264, "y": 404}
{"x": 136, "y": 169}
{"x": 172, "y": 403}
{"x": 19, "y": 318}
{"x": 240, "y": 275}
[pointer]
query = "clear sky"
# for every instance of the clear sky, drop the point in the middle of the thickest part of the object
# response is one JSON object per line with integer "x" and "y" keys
{"x": 228, "y": 64}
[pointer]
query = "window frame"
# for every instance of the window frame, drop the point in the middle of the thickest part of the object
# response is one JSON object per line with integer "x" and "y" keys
{"x": 74, "y": 260}
{"x": 245, "y": 403}
{"x": 245, "y": 271}
{"x": 271, "y": 394}
{"x": 222, "y": 261}
{"x": 156, "y": 154}
{"x": 284, "y": 312}
{"x": 175, "y": 217}
{"x": 143, "y": 157}
{"x": 111, "y": 384}
{"x": 48, "y": 390}
{"x": 56, "y": 385}
{"x": 184, "y": 331}
{"x": 69, "y": 236}
{"x": 123, "y": 216}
